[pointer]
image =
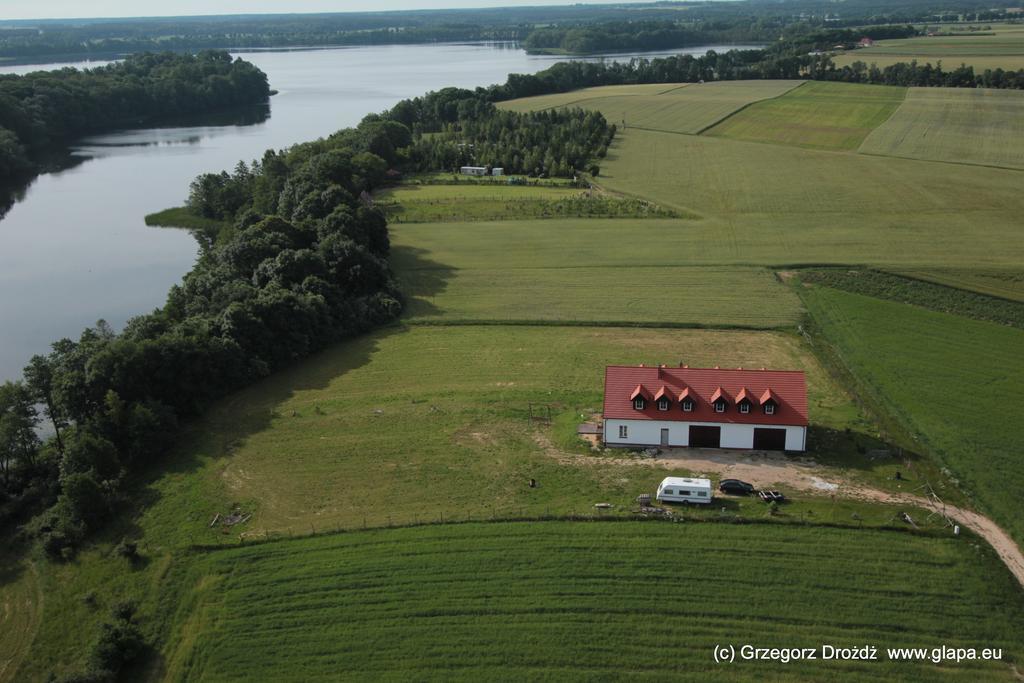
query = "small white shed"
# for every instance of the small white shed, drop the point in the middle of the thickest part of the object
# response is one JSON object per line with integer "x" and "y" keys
{"x": 473, "y": 170}
{"x": 684, "y": 490}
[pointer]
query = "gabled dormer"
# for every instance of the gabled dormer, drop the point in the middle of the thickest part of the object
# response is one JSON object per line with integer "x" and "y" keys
{"x": 687, "y": 401}
{"x": 663, "y": 399}
{"x": 640, "y": 397}
{"x": 720, "y": 400}
{"x": 743, "y": 402}
{"x": 769, "y": 402}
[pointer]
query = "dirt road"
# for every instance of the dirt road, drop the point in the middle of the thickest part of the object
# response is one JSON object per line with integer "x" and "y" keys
{"x": 765, "y": 469}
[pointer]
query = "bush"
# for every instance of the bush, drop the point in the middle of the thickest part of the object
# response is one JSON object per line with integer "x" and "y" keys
{"x": 127, "y": 549}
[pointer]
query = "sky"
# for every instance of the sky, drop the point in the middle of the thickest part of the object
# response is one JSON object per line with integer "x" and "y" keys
{"x": 67, "y": 9}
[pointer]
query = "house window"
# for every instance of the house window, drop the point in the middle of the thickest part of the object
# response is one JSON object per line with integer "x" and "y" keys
{"x": 687, "y": 406}
{"x": 663, "y": 403}
{"x": 769, "y": 408}
{"x": 623, "y": 432}
{"x": 719, "y": 406}
{"x": 744, "y": 407}
{"x": 639, "y": 403}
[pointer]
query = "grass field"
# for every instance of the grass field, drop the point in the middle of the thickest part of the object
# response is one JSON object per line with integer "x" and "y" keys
{"x": 688, "y": 109}
{"x": 598, "y": 601}
{"x": 973, "y": 126}
{"x": 713, "y": 297}
{"x": 578, "y": 97}
{"x": 951, "y": 380}
{"x": 817, "y": 115}
{"x": 1007, "y": 284}
{"x": 778, "y": 204}
{"x": 456, "y": 203}
{"x": 1004, "y": 49}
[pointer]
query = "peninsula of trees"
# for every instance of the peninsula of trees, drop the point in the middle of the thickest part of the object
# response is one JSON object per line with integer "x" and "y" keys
{"x": 45, "y": 109}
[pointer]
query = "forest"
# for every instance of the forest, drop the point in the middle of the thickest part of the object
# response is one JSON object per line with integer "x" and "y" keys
{"x": 303, "y": 264}
{"x": 537, "y": 27}
{"x": 44, "y": 109}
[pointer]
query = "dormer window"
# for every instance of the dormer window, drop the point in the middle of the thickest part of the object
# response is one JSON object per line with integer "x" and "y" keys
{"x": 639, "y": 403}
{"x": 687, "y": 405}
{"x": 745, "y": 407}
{"x": 718, "y": 400}
{"x": 663, "y": 403}
{"x": 768, "y": 402}
{"x": 639, "y": 397}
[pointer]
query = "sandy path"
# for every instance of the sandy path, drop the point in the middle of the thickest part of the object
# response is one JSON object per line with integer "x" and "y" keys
{"x": 764, "y": 469}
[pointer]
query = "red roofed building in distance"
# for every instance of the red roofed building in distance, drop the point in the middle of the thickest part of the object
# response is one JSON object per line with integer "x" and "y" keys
{"x": 708, "y": 408}
{"x": 866, "y": 42}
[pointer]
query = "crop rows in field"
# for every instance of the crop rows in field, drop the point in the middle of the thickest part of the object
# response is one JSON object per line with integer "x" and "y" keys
{"x": 605, "y": 600}
{"x": 579, "y": 98}
{"x": 974, "y": 126}
{"x": 704, "y": 296}
{"x": 688, "y": 109}
{"x": 951, "y": 380}
{"x": 816, "y": 115}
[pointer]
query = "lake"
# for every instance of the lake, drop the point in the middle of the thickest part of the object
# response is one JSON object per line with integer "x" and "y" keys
{"x": 75, "y": 249}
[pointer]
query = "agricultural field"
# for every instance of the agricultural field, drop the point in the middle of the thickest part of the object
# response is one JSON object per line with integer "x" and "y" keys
{"x": 578, "y": 97}
{"x": 783, "y": 205}
{"x": 968, "y": 126}
{"x": 569, "y": 599}
{"x": 817, "y": 115}
{"x": 656, "y": 296}
{"x": 1006, "y": 284}
{"x": 689, "y": 109}
{"x": 1001, "y": 48}
{"x": 456, "y": 203}
{"x": 948, "y": 379}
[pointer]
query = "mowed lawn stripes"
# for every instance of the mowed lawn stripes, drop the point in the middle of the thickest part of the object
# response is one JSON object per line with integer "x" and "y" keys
{"x": 549, "y": 599}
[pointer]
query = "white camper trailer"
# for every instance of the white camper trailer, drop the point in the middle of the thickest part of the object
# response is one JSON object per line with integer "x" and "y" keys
{"x": 684, "y": 490}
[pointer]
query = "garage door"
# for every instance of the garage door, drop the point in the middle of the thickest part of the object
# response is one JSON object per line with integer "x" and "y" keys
{"x": 705, "y": 437}
{"x": 769, "y": 439}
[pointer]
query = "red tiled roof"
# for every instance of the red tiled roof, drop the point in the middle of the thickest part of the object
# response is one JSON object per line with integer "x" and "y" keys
{"x": 661, "y": 392}
{"x": 742, "y": 395}
{"x": 640, "y": 391}
{"x": 788, "y": 388}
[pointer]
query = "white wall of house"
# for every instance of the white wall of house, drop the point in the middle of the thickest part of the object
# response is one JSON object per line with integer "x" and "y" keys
{"x": 648, "y": 433}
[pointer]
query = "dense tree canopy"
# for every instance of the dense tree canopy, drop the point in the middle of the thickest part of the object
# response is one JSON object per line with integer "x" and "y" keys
{"x": 44, "y": 108}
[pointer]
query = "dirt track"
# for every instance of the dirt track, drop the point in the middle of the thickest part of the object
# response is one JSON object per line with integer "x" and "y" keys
{"x": 765, "y": 469}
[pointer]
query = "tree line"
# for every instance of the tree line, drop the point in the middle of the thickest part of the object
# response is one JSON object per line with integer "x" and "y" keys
{"x": 303, "y": 264}
{"x": 47, "y": 108}
{"x": 644, "y": 35}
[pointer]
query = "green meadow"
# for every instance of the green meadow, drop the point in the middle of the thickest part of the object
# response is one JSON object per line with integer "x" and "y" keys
{"x": 429, "y": 421}
{"x": 688, "y": 109}
{"x": 950, "y": 379}
{"x": 999, "y": 46}
{"x": 596, "y": 601}
{"x": 655, "y": 296}
{"x": 816, "y": 115}
{"x": 967, "y": 126}
{"x": 1003, "y": 283}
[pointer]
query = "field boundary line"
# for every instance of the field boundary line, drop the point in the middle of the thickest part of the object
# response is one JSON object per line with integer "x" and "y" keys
{"x": 750, "y": 104}
{"x": 975, "y": 164}
{"x": 678, "y": 87}
{"x": 527, "y": 322}
{"x": 267, "y": 536}
{"x": 906, "y": 92}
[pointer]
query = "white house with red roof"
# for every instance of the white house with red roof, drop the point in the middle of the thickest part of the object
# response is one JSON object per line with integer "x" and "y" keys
{"x": 705, "y": 407}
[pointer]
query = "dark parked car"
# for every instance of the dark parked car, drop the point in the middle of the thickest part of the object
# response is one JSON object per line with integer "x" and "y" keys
{"x": 735, "y": 487}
